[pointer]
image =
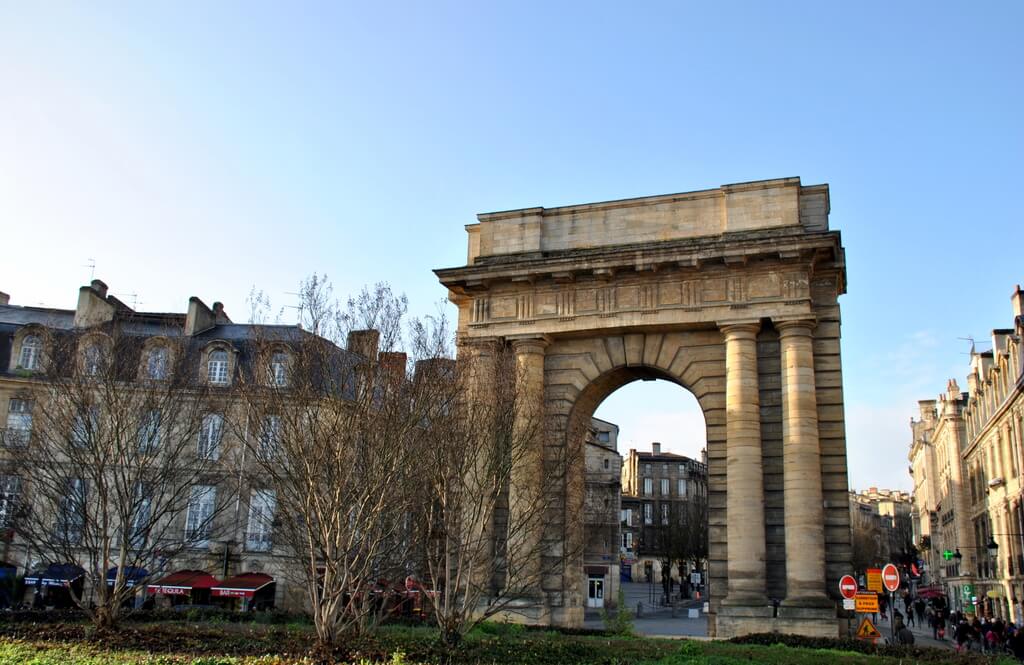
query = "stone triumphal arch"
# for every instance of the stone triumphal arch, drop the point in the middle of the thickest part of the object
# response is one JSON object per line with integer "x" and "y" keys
{"x": 731, "y": 293}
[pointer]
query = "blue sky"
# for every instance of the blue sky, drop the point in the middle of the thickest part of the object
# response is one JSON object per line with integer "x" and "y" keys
{"x": 200, "y": 148}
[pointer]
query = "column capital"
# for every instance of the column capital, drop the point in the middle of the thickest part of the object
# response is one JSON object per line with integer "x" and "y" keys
{"x": 739, "y": 329}
{"x": 529, "y": 343}
{"x": 795, "y": 326}
{"x": 478, "y": 344}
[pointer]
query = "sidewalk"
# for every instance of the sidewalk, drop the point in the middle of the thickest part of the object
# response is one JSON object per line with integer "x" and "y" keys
{"x": 922, "y": 634}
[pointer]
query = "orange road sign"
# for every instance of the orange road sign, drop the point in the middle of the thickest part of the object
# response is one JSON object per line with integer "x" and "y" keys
{"x": 874, "y": 579}
{"x": 866, "y": 602}
{"x": 867, "y": 630}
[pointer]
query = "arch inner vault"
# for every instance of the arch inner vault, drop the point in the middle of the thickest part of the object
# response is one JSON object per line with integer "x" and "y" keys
{"x": 731, "y": 293}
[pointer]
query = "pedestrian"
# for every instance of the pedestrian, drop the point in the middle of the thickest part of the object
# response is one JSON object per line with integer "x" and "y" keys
{"x": 909, "y": 607}
{"x": 904, "y": 636}
{"x": 919, "y": 607}
{"x": 962, "y": 636}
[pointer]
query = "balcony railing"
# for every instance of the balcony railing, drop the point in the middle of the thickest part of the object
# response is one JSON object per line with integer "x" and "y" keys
{"x": 12, "y": 437}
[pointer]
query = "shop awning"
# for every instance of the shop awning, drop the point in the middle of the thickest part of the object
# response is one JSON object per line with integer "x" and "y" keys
{"x": 242, "y": 586}
{"x": 132, "y": 575}
{"x": 56, "y": 574}
{"x": 183, "y": 582}
{"x": 8, "y": 571}
{"x": 930, "y": 591}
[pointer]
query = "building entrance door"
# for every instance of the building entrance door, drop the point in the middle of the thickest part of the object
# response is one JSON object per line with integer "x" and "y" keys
{"x": 595, "y": 592}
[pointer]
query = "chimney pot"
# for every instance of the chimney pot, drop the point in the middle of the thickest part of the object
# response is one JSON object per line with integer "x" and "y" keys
{"x": 5, "y": 299}
{"x": 1018, "y": 301}
{"x": 99, "y": 287}
{"x": 656, "y": 448}
{"x": 364, "y": 343}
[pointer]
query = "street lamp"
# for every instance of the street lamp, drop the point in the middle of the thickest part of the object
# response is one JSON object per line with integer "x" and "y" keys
{"x": 992, "y": 547}
{"x": 959, "y": 557}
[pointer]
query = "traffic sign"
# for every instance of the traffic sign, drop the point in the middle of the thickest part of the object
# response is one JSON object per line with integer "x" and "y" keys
{"x": 847, "y": 586}
{"x": 891, "y": 577}
{"x": 874, "y": 576}
{"x": 867, "y": 630}
{"x": 866, "y": 602}
{"x": 849, "y": 604}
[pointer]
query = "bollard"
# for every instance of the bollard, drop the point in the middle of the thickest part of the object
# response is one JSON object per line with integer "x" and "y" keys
{"x": 639, "y": 609}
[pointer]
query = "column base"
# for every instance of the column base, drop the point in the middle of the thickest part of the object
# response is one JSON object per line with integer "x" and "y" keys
{"x": 815, "y": 619}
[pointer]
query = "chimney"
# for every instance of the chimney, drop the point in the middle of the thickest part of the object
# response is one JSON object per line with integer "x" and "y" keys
{"x": 927, "y": 407}
{"x": 219, "y": 315}
{"x": 392, "y": 367}
{"x": 199, "y": 317}
{"x": 1018, "y": 301}
{"x": 93, "y": 307}
{"x": 433, "y": 369}
{"x": 656, "y": 448}
{"x": 363, "y": 342}
{"x": 5, "y": 299}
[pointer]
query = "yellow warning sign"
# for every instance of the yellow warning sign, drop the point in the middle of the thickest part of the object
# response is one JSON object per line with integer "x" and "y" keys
{"x": 874, "y": 577}
{"x": 867, "y": 630}
{"x": 866, "y": 602}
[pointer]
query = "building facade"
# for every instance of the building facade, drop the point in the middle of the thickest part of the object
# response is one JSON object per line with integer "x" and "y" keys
{"x": 601, "y": 514}
{"x": 656, "y": 488}
{"x": 242, "y": 564}
{"x": 967, "y": 460}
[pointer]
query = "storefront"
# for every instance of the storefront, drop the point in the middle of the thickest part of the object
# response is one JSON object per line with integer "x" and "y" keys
{"x": 245, "y": 592}
{"x": 132, "y": 577}
{"x": 54, "y": 585}
{"x": 185, "y": 587}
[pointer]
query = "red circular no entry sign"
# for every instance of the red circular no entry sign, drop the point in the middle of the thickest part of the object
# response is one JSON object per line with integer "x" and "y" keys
{"x": 848, "y": 586}
{"x": 891, "y": 577}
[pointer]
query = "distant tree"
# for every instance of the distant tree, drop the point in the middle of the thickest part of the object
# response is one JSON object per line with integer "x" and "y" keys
{"x": 125, "y": 465}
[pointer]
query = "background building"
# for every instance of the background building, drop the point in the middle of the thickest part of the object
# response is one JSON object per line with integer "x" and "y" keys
{"x": 655, "y": 485}
{"x": 601, "y": 513}
{"x": 967, "y": 460}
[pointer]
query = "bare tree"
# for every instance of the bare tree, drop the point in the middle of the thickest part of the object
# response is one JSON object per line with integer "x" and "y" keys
{"x": 489, "y": 486}
{"x": 125, "y": 467}
{"x": 332, "y": 432}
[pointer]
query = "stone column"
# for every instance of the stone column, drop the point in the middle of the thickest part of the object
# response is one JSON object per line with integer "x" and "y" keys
{"x": 526, "y": 513}
{"x": 801, "y": 461}
{"x": 744, "y": 472}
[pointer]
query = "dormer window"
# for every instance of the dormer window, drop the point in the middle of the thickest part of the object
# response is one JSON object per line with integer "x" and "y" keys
{"x": 217, "y": 367}
{"x": 278, "y": 370}
{"x": 156, "y": 364}
{"x": 31, "y": 349}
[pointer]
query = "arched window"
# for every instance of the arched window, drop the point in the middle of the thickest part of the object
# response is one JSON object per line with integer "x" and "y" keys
{"x": 279, "y": 370}
{"x": 156, "y": 365}
{"x": 217, "y": 367}
{"x": 31, "y": 349}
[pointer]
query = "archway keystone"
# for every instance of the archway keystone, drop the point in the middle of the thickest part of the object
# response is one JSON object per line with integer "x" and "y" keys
{"x": 731, "y": 293}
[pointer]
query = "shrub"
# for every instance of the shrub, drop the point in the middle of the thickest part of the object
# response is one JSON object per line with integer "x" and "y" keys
{"x": 621, "y": 622}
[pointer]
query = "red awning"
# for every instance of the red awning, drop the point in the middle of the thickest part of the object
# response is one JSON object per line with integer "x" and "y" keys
{"x": 242, "y": 586}
{"x": 182, "y": 582}
{"x": 930, "y": 592}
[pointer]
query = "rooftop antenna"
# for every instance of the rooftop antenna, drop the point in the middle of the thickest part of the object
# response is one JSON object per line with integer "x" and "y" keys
{"x": 970, "y": 339}
{"x": 134, "y": 296}
{"x": 91, "y": 265}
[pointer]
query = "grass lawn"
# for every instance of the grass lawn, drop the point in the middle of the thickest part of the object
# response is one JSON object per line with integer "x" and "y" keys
{"x": 205, "y": 644}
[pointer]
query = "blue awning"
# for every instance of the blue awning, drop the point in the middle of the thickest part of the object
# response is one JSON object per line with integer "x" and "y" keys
{"x": 56, "y": 574}
{"x": 7, "y": 571}
{"x": 132, "y": 575}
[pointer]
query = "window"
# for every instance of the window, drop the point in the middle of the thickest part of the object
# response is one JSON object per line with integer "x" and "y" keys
{"x": 664, "y": 514}
{"x": 607, "y": 464}
{"x": 270, "y": 436}
{"x": 664, "y": 469}
{"x": 648, "y": 514}
{"x": 156, "y": 365}
{"x": 143, "y": 510}
{"x": 627, "y": 516}
{"x": 664, "y": 486}
{"x": 627, "y": 541}
{"x": 19, "y": 423}
{"x": 71, "y": 513}
{"x": 647, "y": 469}
{"x": 149, "y": 431}
{"x": 217, "y": 367}
{"x": 604, "y": 437}
{"x": 92, "y": 360}
{"x": 10, "y": 490}
{"x": 200, "y": 515}
{"x": 278, "y": 370}
{"x": 261, "y": 521}
{"x": 31, "y": 350}
{"x": 648, "y": 486}
{"x": 209, "y": 436}
{"x": 682, "y": 487}
{"x": 85, "y": 427}
{"x": 682, "y": 469}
